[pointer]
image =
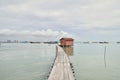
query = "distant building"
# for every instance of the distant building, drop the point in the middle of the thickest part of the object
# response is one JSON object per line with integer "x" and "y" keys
{"x": 66, "y": 42}
{"x": 9, "y": 41}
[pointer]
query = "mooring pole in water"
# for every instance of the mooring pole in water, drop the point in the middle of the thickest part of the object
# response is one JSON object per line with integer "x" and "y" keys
{"x": 105, "y": 56}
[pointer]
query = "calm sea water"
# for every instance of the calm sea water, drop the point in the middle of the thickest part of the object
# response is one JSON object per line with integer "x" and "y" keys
{"x": 33, "y": 61}
{"x": 88, "y": 61}
{"x": 26, "y": 61}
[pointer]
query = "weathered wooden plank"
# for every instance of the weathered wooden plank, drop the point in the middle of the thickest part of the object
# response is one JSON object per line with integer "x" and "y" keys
{"x": 61, "y": 69}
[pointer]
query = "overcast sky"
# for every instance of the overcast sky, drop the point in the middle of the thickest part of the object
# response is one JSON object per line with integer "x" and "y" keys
{"x": 46, "y": 20}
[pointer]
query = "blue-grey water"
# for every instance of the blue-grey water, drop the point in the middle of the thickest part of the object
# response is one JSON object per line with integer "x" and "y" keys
{"x": 88, "y": 61}
{"x": 26, "y": 61}
{"x": 33, "y": 61}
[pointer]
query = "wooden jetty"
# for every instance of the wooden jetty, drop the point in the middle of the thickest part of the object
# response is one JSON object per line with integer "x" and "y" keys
{"x": 61, "y": 69}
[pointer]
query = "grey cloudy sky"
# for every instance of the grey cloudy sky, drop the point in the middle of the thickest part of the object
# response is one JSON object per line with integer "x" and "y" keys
{"x": 86, "y": 20}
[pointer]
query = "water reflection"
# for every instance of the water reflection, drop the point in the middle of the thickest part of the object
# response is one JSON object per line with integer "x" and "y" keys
{"x": 69, "y": 50}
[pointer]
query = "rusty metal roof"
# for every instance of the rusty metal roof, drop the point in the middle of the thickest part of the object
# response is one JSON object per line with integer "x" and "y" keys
{"x": 66, "y": 39}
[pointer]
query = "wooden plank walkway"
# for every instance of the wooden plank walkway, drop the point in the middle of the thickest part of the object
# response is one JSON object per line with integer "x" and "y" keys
{"x": 61, "y": 69}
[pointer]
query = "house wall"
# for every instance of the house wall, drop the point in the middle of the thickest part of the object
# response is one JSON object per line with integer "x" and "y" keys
{"x": 62, "y": 42}
{"x": 69, "y": 43}
{"x": 66, "y": 42}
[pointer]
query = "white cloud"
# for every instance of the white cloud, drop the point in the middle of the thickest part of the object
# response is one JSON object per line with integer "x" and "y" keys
{"x": 46, "y": 34}
{"x": 7, "y": 32}
{"x": 64, "y": 15}
{"x": 78, "y": 13}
